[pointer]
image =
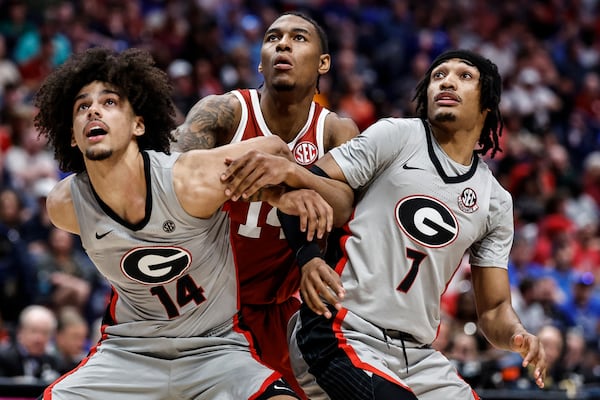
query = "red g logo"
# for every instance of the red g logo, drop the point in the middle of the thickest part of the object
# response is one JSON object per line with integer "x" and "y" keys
{"x": 305, "y": 153}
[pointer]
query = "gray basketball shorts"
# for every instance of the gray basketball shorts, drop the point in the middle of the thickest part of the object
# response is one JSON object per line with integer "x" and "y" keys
{"x": 219, "y": 367}
{"x": 345, "y": 356}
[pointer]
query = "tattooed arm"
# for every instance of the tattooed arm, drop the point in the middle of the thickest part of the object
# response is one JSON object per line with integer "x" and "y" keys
{"x": 211, "y": 122}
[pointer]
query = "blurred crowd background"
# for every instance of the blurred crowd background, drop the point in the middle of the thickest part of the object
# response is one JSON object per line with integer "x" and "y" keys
{"x": 547, "y": 51}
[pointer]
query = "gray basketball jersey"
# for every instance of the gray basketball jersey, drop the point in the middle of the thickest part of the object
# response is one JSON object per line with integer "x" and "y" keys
{"x": 419, "y": 216}
{"x": 172, "y": 274}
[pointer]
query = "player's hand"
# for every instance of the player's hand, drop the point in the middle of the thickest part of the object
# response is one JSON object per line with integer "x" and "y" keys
{"x": 320, "y": 282}
{"x": 247, "y": 174}
{"x": 316, "y": 215}
{"x": 532, "y": 351}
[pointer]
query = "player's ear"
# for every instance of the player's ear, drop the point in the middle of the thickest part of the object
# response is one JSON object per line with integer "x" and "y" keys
{"x": 260, "y": 69}
{"x": 73, "y": 142}
{"x": 324, "y": 63}
{"x": 139, "y": 127}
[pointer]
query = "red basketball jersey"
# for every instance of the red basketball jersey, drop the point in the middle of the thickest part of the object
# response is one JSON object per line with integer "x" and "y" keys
{"x": 266, "y": 266}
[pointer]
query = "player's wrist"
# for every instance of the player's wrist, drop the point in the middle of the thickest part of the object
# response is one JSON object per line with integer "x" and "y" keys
{"x": 308, "y": 252}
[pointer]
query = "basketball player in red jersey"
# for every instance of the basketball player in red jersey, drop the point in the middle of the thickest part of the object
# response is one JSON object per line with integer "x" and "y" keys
{"x": 294, "y": 55}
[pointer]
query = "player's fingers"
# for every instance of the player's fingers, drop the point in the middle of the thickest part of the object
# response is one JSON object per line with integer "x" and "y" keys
{"x": 529, "y": 348}
{"x": 335, "y": 283}
{"x": 329, "y": 285}
{"x": 313, "y": 301}
{"x": 325, "y": 219}
{"x": 329, "y": 296}
{"x": 233, "y": 167}
{"x": 312, "y": 219}
{"x": 243, "y": 182}
{"x": 320, "y": 215}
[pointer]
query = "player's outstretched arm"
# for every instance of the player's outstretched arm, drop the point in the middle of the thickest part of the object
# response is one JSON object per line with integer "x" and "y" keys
{"x": 499, "y": 321}
{"x": 197, "y": 174}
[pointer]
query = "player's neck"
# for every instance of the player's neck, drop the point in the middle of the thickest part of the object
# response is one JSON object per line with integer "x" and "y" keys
{"x": 457, "y": 144}
{"x": 121, "y": 186}
{"x": 285, "y": 115}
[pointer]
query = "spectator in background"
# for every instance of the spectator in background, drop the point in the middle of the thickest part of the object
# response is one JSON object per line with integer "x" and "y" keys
{"x": 354, "y": 103}
{"x": 29, "y": 158}
{"x": 527, "y": 305}
{"x": 67, "y": 277}
{"x": 463, "y": 353}
{"x": 15, "y": 21}
{"x": 587, "y": 99}
{"x": 561, "y": 268}
{"x": 36, "y": 229}
{"x": 17, "y": 273}
{"x": 44, "y": 41}
{"x": 521, "y": 263}
{"x": 37, "y": 68}
{"x": 207, "y": 82}
{"x": 530, "y": 98}
{"x": 583, "y": 306}
{"x": 9, "y": 73}
{"x": 574, "y": 356}
{"x": 6, "y": 333}
{"x": 184, "y": 94}
{"x": 28, "y": 358}
{"x": 554, "y": 345}
{"x": 547, "y": 296}
{"x": 71, "y": 340}
{"x": 591, "y": 176}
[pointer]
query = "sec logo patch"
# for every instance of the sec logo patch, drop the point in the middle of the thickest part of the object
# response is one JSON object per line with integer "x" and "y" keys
{"x": 305, "y": 153}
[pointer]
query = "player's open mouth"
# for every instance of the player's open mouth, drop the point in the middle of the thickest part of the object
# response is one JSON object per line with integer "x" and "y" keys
{"x": 96, "y": 131}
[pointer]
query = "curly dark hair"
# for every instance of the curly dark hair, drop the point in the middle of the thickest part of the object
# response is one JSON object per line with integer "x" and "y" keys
{"x": 132, "y": 72}
{"x": 491, "y": 89}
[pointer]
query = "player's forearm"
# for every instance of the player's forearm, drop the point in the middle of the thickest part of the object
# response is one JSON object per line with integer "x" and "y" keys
{"x": 338, "y": 194}
{"x": 500, "y": 324}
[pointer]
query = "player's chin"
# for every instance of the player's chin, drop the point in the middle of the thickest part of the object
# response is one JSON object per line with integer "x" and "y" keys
{"x": 283, "y": 86}
{"x": 444, "y": 116}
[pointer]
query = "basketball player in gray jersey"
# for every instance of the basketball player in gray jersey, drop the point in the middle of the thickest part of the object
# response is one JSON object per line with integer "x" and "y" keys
{"x": 152, "y": 223}
{"x": 424, "y": 199}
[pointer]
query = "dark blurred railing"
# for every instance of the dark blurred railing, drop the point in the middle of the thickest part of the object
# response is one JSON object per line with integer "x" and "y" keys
{"x": 9, "y": 389}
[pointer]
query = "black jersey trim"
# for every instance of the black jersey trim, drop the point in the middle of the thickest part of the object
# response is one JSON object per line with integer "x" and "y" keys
{"x": 438, "y": 166}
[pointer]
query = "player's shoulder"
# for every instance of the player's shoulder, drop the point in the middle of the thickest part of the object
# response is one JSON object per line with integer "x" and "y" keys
{"x": 404, "y": 123}
{"x": 211, "y": 121}
{"x": 223, "y": 102}
{"x": 499, "y": 192}
{"x": 59, "y": 204}
{"x": 402, "y": 131}
{"x": 338, "y": 129}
